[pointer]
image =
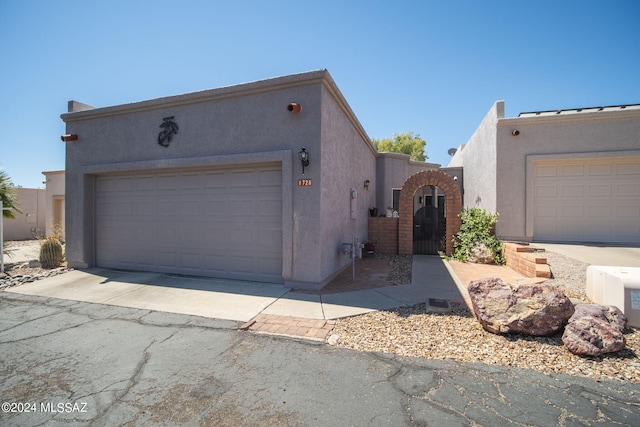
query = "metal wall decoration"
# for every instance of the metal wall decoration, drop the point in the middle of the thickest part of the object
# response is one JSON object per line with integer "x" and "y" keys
{"x": 169, "y": 128}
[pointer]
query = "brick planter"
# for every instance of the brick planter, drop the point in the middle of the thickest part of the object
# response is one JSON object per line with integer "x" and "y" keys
{"x": 525, "y": 260}
{"x": 384, "y": 231}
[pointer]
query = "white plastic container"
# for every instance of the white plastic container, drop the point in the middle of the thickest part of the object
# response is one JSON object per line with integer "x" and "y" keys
{"x": 618, "y": 286}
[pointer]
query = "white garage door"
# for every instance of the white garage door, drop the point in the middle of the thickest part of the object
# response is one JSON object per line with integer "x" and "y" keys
{"x": 222, "y": 223}
{"x": 587, "y": 200}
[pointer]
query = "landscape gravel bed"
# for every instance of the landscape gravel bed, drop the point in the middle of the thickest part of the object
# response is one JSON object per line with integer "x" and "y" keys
{"x": 18, "y": 273}
{"x": 414, "y": 331}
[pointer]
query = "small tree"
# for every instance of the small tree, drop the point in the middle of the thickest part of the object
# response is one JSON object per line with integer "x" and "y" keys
{"x": 8, "y": 196}
{"x": 405, "y": 143}
{"x": 478, "y": 228}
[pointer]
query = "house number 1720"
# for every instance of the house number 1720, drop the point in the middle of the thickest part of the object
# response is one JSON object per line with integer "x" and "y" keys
{"x": 304, "y": 183}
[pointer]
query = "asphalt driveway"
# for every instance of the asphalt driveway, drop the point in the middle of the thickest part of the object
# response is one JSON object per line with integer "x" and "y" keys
{"x": 68, "y": 363}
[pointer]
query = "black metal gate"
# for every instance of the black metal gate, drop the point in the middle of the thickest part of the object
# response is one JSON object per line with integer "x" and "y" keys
{"x": 429, "y": 230}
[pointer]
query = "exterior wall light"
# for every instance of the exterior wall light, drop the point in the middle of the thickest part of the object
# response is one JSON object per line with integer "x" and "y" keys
{"x": 366, "y": 184}
{"x": 304, "y": 158}
{"x": 69, "y": 137}
{"x": 515, "y": 132}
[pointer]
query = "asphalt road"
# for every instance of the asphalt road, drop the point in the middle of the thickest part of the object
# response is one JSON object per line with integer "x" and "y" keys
{"x": 66, "y": 363}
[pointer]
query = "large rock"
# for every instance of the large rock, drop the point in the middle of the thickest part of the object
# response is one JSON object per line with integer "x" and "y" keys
{"x": 480, "y": 253}
{"x": 535, "y": 309}
{"x": 594, "y": 330}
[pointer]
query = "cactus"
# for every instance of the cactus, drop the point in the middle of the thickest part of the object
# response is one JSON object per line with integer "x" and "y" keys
{"x": 51, "y": 253}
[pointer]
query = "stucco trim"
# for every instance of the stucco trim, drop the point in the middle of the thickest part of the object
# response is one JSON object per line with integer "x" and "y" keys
{"x": 284, "y": 157}
{"x": 532, "y": 159}
{"x": 208, "y": 95}
{"x": 590, "y": 117}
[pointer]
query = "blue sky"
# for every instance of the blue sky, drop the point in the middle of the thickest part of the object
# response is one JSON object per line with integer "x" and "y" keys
{"x": 431, "y": 67}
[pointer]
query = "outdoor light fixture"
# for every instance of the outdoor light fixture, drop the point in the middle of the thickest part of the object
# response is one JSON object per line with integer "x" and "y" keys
{"x": 304, "y": 158}
{"x": 515, "y": 132}
{"x": 69, "y": 137}
{"x": 366, "y": 184}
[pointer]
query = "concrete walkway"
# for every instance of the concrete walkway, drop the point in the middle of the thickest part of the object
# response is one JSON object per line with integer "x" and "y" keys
{"x": 616, "y": 256}
{"x": 239, "y": 300}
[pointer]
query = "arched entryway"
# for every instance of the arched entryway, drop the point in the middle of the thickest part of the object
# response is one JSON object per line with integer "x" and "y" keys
{"x": 453, "y": 206}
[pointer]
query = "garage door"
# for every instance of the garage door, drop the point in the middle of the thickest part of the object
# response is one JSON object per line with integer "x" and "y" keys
{"x": 587, "y": 200}
{"x": 220, "y": 223}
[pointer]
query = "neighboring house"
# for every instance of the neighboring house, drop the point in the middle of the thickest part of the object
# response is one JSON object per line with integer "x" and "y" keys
{"x": 54, "y": 201}
{"x": 30, "y": 223}
{"x": 211, "y": 183}
{"x": 561, "y": 176}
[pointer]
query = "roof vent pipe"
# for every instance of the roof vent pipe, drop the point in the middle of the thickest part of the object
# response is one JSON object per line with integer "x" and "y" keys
{"x": 294, "y": 108}
{"x": 69, "y": 137}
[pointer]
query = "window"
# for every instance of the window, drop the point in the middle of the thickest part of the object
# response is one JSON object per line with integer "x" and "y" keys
{"x": 396, "y": 198}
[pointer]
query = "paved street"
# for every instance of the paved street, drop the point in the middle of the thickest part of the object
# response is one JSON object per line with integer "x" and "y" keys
{"x": 78, "y": 363}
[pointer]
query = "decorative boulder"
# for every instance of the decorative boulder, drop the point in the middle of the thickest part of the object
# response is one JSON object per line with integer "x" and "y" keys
{"x": 480, "y": 254}
{"x": 594, "y": 330}
{"x": 535, "y": 309}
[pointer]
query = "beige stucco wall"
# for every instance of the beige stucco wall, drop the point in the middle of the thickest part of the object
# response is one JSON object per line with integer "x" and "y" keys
{"x": 29, "y": 224}
{"x": 479, "y": 160}
{"x": 54, "y": 201}
{"x": 570, "y": 135}
{"x": 392, "y": 171}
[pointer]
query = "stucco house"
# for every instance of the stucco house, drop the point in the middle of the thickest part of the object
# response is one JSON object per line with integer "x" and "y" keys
{"x": 30, "y": 222}
{"x": 268, "y": 181}
{"x": 216, "y": 183}
{"x": 54, "y": 203}
{"x": 561, "y": 175}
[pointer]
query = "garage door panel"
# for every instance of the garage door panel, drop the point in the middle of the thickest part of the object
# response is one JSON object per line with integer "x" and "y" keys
{"x": 627, "y": 169}
{"x": 599, "y": 212}
{"x": 244, "y": 179}
{"x": 587, "y": 200}
{"x": 225, "y": 223}
{"x": 543, "y": 170}
{"x": 628, "y": 190}
{"x": 125, "y": 185}
{"x": 599, "y": 190}
{"x": 144, "y": 209}
{"x": 572, "y": 170}
{"x": 572, "y": 190}
{"x": 599, "y": 169}
{"x": 570, "y": 211}
{"x": 627, "y": 212}
{"x": 546, "y": 191}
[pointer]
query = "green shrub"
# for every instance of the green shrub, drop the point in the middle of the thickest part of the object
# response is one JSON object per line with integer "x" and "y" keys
{"x": 478, "y": 227}
{"x": 51, "y": 255}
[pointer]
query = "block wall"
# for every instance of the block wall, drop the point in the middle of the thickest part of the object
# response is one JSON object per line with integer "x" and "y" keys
{"x": 384, "y": 231}
{"x": 523, "y": 259}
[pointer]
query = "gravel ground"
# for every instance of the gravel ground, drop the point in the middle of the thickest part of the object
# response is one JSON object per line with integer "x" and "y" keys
{"x": 18, "y": 273}
{"x": 413, "y": 331}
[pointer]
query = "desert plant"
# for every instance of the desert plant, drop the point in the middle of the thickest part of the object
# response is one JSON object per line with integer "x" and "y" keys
{"x": 51, "y": 255}
{"x": 477, "y": 229}
{"x": 8, "y": 196}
